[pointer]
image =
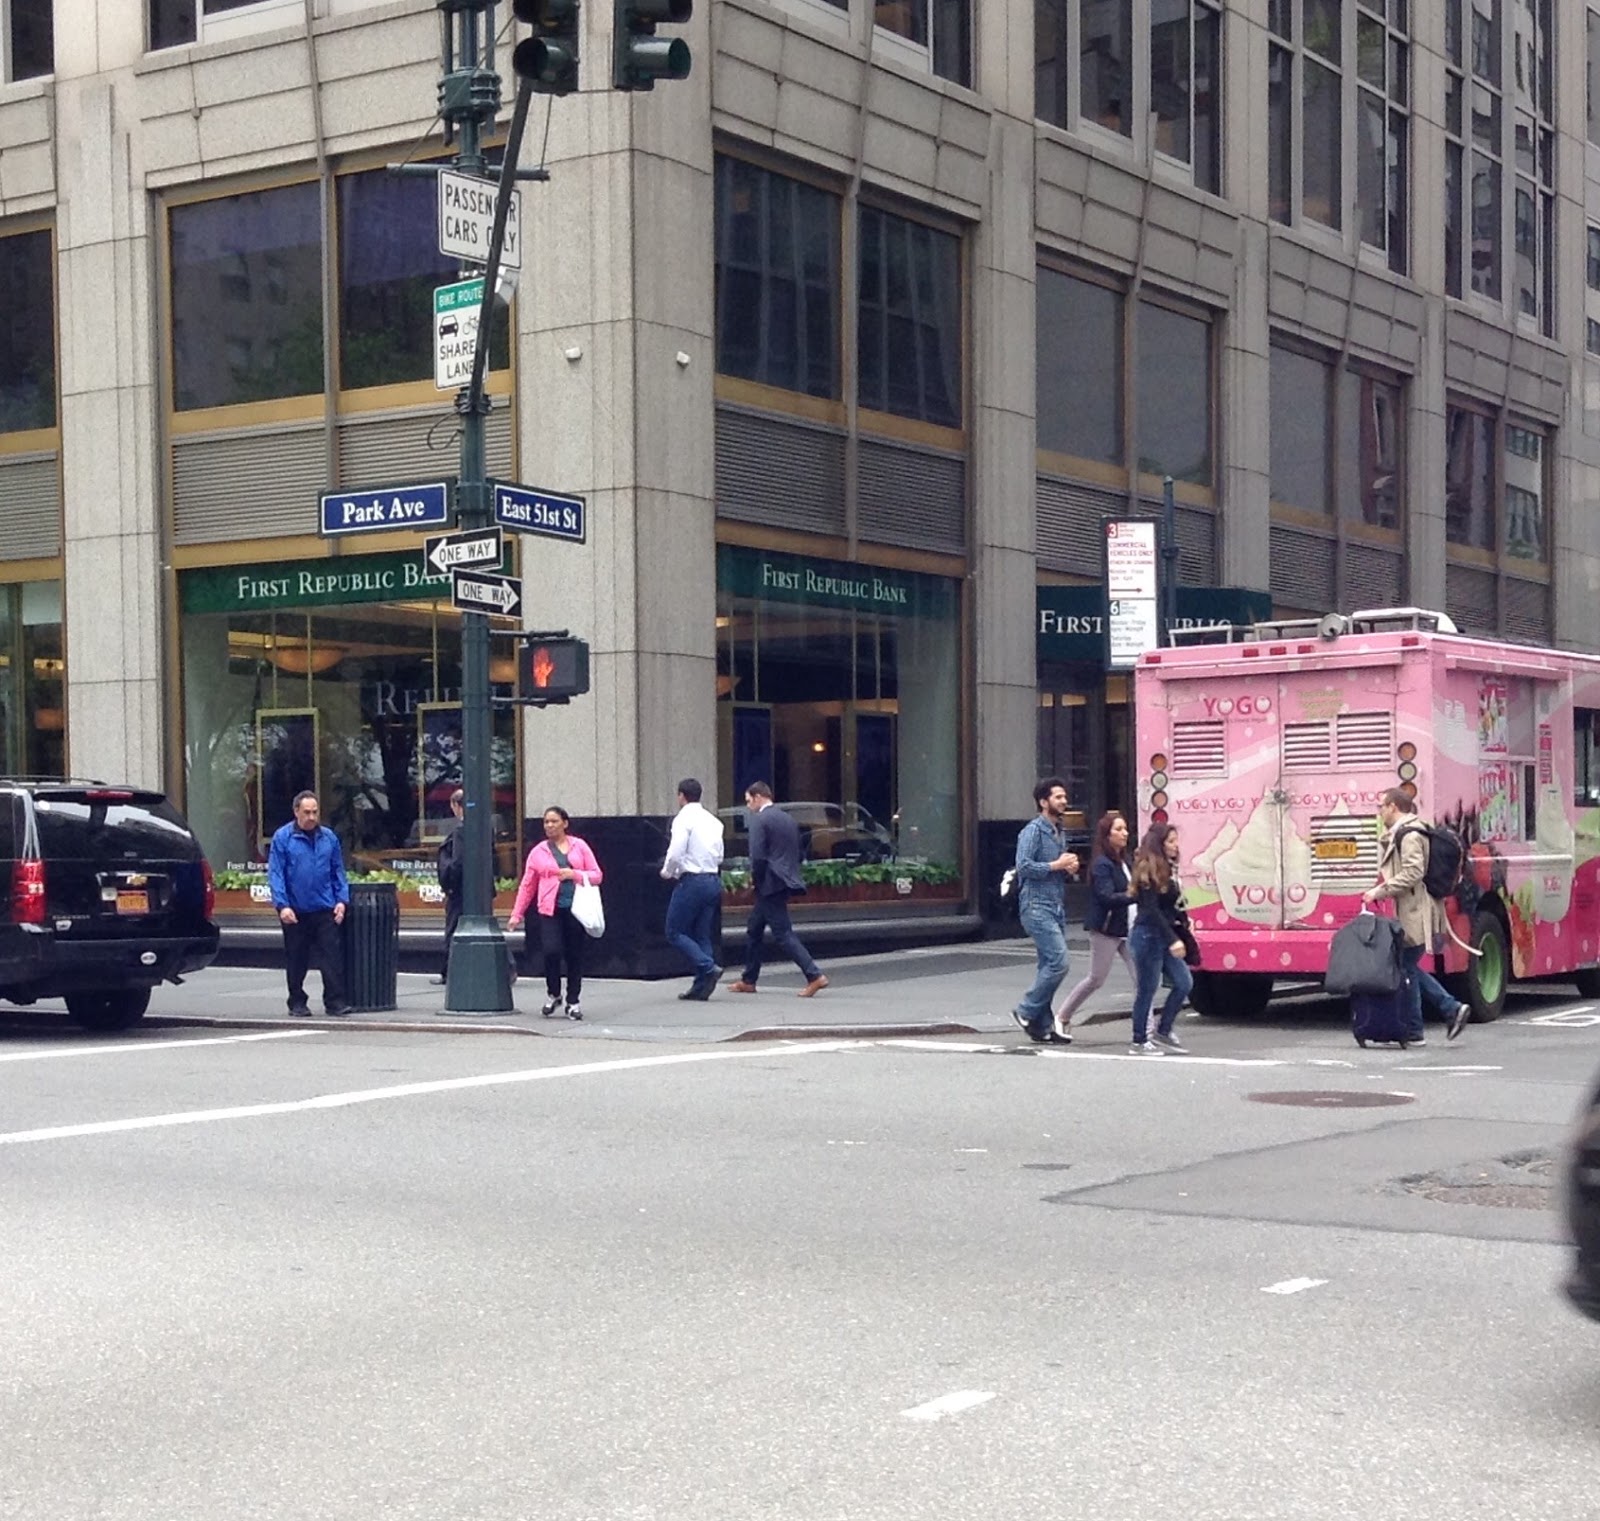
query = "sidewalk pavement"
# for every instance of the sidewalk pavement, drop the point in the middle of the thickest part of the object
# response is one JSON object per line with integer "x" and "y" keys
{"x": 962, "y": 989}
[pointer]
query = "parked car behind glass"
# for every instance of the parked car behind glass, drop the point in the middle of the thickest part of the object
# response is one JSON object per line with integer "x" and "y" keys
{"x": 828, "y": 832}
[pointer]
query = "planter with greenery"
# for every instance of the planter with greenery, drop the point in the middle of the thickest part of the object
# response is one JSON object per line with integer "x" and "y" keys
{"x": 242, "y": 894}
{"x": 857, "y": 882}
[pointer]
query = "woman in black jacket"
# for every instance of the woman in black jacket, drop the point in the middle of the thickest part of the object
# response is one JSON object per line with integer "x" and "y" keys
{"x": 1156, "y": 940}
{"x": 1107, "y": 919}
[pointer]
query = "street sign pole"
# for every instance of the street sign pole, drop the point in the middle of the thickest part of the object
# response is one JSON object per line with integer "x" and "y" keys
{"x": 479, "y": 975}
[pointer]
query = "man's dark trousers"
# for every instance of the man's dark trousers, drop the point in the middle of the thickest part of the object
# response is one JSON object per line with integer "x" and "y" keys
{"x": 314, "y": 939}
{"x": 452, "y": 917}
{"x": 773, "y": 909}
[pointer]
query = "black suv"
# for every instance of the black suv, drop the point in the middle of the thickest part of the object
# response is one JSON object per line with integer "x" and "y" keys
{"x": 104, "y": 892}
{"x": 1582, "y": 1185}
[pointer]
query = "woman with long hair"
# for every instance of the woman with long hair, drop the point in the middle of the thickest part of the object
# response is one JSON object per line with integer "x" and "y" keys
{"x": 1156, "y": 941}
{"x": 1107, "y": 920}
{"x": 555, "y": 867}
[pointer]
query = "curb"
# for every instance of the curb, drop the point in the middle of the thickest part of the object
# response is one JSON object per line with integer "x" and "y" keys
{"x": 404, "y": 1027}
{"x": 849, "y": 1032}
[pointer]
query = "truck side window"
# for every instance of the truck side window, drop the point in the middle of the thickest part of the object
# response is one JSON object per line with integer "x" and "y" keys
{"x": 1586, "y": 757}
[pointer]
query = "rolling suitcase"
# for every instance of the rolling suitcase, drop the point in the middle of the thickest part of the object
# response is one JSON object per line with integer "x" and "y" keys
{"x": 1380, "y": 1018}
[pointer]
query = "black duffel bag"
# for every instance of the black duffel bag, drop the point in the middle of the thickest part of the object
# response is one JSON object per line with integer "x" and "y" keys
{"x": 1365, "y": 956}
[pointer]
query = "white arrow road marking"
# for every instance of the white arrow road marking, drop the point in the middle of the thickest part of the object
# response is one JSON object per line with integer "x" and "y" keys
{"x": 155, "y": 1045}
{"x": 1294, "y": 1285}
{"x": 947, "y": 1404}
{"x": 401, "y": 1090}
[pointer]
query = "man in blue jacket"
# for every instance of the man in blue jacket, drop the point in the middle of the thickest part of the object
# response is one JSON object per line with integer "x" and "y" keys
{"x": 306, "y": 870}
{"x": 775, "y": 871}
{"x": 1043, "y": 865}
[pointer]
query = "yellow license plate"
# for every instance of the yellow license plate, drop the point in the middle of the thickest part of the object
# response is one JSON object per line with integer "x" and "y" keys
{"x": 133, "y": 902}
{"x": 1335, "y": 850}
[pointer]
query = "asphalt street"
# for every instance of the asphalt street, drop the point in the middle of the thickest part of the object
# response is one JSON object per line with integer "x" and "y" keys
{"x": 346, "y": 1272}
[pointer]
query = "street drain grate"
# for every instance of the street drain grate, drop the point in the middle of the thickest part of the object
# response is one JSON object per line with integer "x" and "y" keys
{"x": 1332, "y": 1098}
{"x": 1520, "y": 1180}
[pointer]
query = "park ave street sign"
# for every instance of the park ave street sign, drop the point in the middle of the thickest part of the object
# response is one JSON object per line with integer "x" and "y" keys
{"x": 374, "y": 509}
{"x": 479, "y": 592}
{"x": 466, "y": 219}
{"x": 445, "y": 552}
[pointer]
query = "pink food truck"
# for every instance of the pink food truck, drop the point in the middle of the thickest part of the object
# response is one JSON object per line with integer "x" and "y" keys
{"x": 1271, "y": 751}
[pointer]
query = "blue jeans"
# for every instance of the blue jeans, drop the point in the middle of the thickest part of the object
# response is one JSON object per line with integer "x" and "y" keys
{"x": 1150, "y": 959}
{"x": 690, "y": 913}
{"x": 1423, "y": 986}
{"x": 1048, "y": 931}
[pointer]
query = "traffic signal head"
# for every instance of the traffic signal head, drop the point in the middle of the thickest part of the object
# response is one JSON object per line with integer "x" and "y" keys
{"x": 548, "y": 60}
{"x": 638, "y": 57}
{"x": 552, "y": 670}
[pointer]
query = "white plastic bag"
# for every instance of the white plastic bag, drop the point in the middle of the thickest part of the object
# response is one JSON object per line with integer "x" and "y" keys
{"x": 587, "y": 908}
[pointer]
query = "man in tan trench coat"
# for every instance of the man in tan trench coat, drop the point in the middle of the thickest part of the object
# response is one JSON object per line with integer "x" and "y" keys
{"x": 1402, "y": 864}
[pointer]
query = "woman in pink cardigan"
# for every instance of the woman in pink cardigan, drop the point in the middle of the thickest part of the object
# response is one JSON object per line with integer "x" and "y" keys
{"x": 555, "y": 866}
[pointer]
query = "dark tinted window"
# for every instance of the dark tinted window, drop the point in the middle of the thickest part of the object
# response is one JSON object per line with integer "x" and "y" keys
{"x": 8, "y": 826}
{"x": 27, "y": 333}
{"x": 81, "y": 828}
{"x": 32, "y": 38}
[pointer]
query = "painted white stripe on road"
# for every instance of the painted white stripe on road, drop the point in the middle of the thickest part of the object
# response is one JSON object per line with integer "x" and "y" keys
{"x": 1165, "y": 1060}
{"x": 941, "y": 1045}
{"x": 155, "y": 1045}
{"x": 1294, "y": 1285}
{"x": 400, "y": 1090}
{"x": 947, "y": 1404}
{"x": 1408, "y": 1067}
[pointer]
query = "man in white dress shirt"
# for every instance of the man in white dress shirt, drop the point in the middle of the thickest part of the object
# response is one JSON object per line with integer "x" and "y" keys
{"x": 694, "y": 861}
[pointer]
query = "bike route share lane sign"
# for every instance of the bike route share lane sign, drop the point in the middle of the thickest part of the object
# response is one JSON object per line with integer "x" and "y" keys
{"x": 466, "y": 220}
{"x": 375, "y": 509}
{"x": 479, "y": 592}
{"x": 455, "y": 331}
{"x": 544, "y": 512}
{"x": 445, "y": 552}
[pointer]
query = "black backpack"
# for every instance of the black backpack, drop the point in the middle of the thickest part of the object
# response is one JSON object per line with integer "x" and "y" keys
{"x": 1446, "y": 855}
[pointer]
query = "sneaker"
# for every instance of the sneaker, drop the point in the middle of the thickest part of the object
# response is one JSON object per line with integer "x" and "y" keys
{"x": 548, "y": 1008}
{"x": 1053, "y": 1038}
{"x": 574, "y": 1011}
{"x": 336, "y": 1010}
{"x": 1022, "y": 1024}
{"x": 1171, "y": 1042}
{"x": 1144, "y": 1048}
{"x": 1458, "y": 1021}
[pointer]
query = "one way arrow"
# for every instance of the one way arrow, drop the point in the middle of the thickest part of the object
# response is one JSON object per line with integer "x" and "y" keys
{"x": 479, "y": 592}
{"x": 447, "y": 551}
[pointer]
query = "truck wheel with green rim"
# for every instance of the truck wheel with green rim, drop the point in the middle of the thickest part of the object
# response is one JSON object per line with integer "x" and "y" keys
{"x": 1482, "y": 987}
{"x": 1230, "y": 995}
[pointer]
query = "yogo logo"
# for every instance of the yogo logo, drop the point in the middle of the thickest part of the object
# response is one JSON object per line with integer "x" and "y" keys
{"x": 1259, "y": 895}
{"x": 1225, "y": 707}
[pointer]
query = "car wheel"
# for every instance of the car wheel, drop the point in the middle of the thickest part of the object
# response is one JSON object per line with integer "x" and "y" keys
{"x": 112, "y": 1010}
{"x": 1237, "y": 995}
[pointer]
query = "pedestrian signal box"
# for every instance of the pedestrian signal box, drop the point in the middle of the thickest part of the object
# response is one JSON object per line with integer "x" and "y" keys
{"x": 552, "y": 670}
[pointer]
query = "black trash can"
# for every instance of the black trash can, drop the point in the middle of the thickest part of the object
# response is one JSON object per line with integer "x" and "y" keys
{"x": 372, "y": 946}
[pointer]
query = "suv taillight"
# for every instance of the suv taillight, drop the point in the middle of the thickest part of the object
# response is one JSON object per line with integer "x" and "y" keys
{"x": 209, "y": 897}
{"x": 27, "y": 892}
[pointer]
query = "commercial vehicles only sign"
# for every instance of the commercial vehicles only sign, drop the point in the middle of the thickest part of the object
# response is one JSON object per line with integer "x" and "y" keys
{"x": 455, "y": 332}
{"x": 1133, "y": 586}
{"x": 466, "y": 219}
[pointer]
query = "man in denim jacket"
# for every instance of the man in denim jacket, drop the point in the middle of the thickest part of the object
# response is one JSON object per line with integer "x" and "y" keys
{"x": 1043, "y": 865}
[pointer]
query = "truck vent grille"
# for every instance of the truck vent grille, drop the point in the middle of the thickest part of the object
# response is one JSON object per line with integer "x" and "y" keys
{"x": 1199, "y": 749}
{"x": 1364, "y": 741}
{"x": 1344, "y": 851}
{"x": 1308, "y": 746}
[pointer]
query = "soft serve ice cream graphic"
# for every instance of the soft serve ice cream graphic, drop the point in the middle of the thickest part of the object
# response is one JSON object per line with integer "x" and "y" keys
{"x": 1249, "y": 879}
{"x": 1204, "y": 864}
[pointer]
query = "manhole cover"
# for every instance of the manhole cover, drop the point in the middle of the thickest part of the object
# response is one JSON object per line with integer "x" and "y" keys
{"x": 1332, "y": 1098}
{"x": 1521, "y": 1180}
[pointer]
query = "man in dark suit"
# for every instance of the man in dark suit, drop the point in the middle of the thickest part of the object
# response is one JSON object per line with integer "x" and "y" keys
{"x": 452, "y": 877}
{"x": 775, "y": 872}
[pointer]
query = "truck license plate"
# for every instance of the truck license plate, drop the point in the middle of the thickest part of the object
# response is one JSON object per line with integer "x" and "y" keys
{"x": 1335, "y": 850}
{"x": 132, "y": 902}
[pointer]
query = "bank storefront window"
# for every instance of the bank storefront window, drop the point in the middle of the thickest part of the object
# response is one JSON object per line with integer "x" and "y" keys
{"x": 838, "y": 683}
{"x": 32, "y": 681}
{"x": 342, "y": 676}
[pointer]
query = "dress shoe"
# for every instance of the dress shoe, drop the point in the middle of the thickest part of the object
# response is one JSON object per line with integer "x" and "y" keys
{"x": 336, "y": 1011}
{"x": 299, "y": 1011}
{"x": 815, "y": 986}
{"x": 741, "y": 986}
{"x": 698, "y": 991}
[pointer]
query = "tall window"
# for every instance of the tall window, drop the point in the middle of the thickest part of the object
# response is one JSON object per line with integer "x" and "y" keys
{"x": 1495, "y": 485}
{"x": 1094, "y": 374}
{"x": 1500, "y": 154}
{"x": 1087, "y": 71}
{"x": 27, "y": 333}
{"x": 29, "y": 39}
{"x": 908, "y": 318}
{"x": 1336, "y": 437}
{"x": 1470, "y": 478}
{"x": 1339, "y": 70}
{"x": 777, "y": 279}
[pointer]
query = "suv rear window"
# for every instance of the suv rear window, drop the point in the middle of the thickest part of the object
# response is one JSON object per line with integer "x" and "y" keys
{"x": 83, "y": 827}
{"x": 8, "y": 826}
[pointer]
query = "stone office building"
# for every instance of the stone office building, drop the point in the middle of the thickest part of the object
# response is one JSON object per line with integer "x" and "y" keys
{"x": 851, "y": 341}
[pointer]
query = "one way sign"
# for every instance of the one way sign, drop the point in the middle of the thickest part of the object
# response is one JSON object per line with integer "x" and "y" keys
{"x": 478, "y": 592}
{"x": 444, "y": 552}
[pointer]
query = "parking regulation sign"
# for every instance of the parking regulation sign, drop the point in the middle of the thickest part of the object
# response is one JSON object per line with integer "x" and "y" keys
{"x": 455, "y": 332}
{"x": 466, "y": 219}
